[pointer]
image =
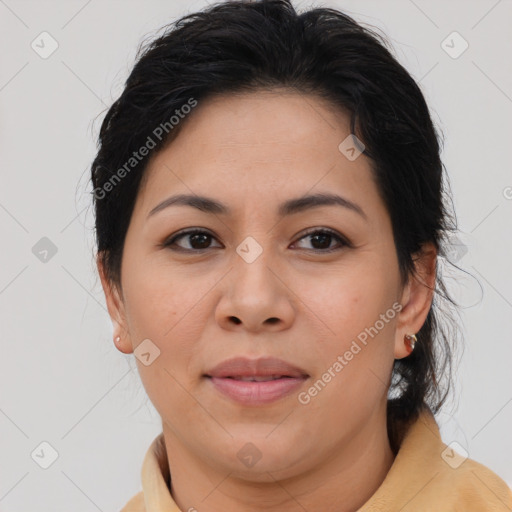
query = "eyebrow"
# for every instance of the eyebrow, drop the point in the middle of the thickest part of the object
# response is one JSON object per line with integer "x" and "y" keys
{"x": 290, "y": 207}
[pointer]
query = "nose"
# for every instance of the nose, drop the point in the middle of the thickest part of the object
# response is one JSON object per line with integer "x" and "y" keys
{"x": 255, "y": 297}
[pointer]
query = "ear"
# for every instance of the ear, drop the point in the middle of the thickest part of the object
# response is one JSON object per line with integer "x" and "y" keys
{"x": 116, "y": 310}
{"x": 416, "y": 298}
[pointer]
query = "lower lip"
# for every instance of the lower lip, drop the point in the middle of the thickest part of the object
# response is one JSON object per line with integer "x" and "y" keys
{"x": 256, "y": 393}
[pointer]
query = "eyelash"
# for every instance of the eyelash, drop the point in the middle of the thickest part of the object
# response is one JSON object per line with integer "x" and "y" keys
{"x": 315, "y": 231}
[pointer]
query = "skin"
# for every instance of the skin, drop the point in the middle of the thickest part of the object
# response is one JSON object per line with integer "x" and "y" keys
{"x": 252, "y": 152}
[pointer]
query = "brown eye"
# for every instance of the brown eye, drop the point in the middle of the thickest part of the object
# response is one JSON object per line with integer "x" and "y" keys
{"x": 196, "y": 240}
{"x": 322, "y": 239}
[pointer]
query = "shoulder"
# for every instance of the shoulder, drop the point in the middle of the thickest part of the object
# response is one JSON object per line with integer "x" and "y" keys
{"x": 467, "y": 482}
{"x": 428, "y": 474}
{"x": 444, "y": 477}
{"x": 136, "y": 504}
{"x": 475, "y": 486}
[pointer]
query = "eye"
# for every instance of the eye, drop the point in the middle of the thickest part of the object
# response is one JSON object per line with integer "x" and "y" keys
{"x": 197, "y": 239}
{"x": 322, "y": 239}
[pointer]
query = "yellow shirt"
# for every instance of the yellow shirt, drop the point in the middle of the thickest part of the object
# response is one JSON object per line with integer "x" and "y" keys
{"x": 426, "y": 475}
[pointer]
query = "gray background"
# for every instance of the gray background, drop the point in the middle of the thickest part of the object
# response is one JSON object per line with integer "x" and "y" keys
{"x": 62, "y": 380}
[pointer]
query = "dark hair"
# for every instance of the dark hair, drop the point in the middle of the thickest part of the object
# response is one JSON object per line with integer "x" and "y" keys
{"x": 244, "y": 46}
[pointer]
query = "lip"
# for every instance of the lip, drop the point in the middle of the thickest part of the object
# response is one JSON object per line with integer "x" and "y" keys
{"x": 261, "y": 367}
{"x": 225, "y": 379}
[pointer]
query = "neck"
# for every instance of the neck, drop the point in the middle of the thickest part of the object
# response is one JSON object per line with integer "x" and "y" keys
{"x": 342, "y": 483}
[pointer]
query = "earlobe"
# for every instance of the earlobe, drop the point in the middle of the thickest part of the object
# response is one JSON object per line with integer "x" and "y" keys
{"x": 122, "y": 345}
{"x": 416, "y": 301}
{"x": 116, "y": 311}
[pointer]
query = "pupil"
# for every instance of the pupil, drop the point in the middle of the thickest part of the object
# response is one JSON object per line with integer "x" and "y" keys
{"x": 204, "y": 237}
{"x": 324, "y": 237}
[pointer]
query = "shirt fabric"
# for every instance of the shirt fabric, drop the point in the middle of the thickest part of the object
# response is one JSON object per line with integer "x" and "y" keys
{"x": 426, "y": 475}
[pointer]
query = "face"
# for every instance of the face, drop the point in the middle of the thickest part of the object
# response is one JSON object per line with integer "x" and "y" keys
{"x": 314, "y": 285}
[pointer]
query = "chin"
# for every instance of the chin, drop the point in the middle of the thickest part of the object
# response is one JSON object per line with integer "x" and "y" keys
{"x": 253, "y": 456}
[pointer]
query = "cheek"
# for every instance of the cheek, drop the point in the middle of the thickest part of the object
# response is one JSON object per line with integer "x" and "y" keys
{"x": 164, "y": 312}
{"x": 161, "y": 301}
{"x": 356, "y": 310}
{"x": 346, "y": 302}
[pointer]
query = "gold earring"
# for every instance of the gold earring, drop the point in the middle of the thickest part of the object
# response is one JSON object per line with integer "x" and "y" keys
{"x": 410, "y": 341}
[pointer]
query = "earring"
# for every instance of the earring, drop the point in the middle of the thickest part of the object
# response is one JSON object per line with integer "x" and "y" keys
{"x": 410, "y": 341}
{"x": 117, "y": 339}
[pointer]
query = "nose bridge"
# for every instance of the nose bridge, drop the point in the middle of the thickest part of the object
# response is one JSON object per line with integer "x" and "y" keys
{"x": 251, "y": 265}
{"x": 254, "y": 295}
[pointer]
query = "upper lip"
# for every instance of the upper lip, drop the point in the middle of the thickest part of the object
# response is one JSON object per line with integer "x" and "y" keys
{"x": 262, "y": 367}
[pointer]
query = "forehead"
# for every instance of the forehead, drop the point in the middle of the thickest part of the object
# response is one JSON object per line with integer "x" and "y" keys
{"x": 275, "y": 119}
{"x": 259, "y": 144}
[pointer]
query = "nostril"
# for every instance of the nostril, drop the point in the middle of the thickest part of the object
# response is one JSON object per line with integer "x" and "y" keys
{"x": 235, "y": 319}
{"x": 273, "y": 320}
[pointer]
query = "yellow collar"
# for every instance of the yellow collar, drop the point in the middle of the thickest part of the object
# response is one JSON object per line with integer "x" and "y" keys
{"x": 426, "y": 475}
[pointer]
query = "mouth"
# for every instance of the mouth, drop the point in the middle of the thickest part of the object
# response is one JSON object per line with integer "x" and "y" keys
{"x": 254, "y": 391}
{"x": 267, "y": 368}
{"x": 256, "y": 381}
{"x": 259, "y": 378}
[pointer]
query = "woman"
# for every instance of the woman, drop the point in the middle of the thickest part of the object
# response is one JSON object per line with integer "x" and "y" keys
{"x": 269, "y": 216}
